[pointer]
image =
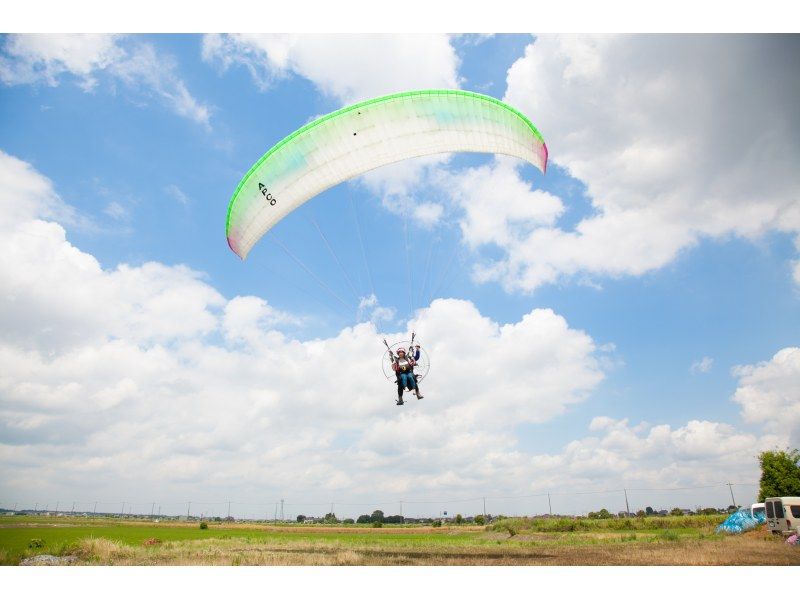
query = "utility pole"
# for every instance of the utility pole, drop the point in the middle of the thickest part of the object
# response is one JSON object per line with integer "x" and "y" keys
{"x": 73, "y": 508}
{"x": 549, "y": 504}
{"x": 275, "y": 519}
{"x": 189, "y": 510}
{"x": 627, "y": 508}
{"x": 36, "y": 508}
{"x": 122, "y": 514}
{"x": 401, "y": 508}
{"x": 56, "y": 511}
{"x": 281, "y": 509}
{"x": 730, "y": 487}
{"x": 95, "y": 508}
{"x": 484, "y": 508}
{"x": 229, "y": 508}
{"x": 153, "y": 508}
{"x": 159, "y": 510}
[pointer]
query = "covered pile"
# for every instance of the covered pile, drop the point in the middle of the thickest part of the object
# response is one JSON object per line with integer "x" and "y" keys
{"x": 741, "y": 521}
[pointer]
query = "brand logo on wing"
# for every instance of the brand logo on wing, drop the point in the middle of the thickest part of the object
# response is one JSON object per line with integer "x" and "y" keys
{"x": 267, "y": 195}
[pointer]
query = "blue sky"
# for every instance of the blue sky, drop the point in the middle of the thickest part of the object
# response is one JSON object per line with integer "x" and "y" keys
{"x": 664, "y": 255}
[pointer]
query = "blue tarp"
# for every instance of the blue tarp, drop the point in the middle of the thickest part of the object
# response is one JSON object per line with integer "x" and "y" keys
{"x": 741, "y": 521}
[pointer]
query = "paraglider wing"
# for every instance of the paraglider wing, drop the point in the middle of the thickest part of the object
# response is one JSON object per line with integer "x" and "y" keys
{"x": 367, "y": 135}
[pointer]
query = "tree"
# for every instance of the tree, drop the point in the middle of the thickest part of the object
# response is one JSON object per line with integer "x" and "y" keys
{"x": 348, "y": 520}
{"x": 301, "y": 518}
{"x": 780, "y": 474}
{"x": 601, "y": 514}
{"x": 641, "y": 513}
{"x": 649, "y": 511}
{"x": 377, "y": 516}
{"x": 393, "y": 519}
{"x": 459, "y": 519}
{"x": 330, "y": 518}
{"x": 480, "y": 520}
{"x": 363, "y": 519}
{"x": 675, "y": 512}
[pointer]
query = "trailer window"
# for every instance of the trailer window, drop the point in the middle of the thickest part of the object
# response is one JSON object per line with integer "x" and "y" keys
{"x": 795, "y": 510}
{"x": 778, "y": 509}
{"x": 770, "y": 510}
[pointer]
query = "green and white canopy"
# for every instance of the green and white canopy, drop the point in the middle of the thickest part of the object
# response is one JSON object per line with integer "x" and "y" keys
{"x": 367, "y": 135}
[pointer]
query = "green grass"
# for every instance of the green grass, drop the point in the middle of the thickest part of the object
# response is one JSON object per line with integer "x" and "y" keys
{"x": 14, "y": 541}
{"x": 58, "y": 540}
{"x": 522, "y": 525}
{"x": 62, "y": 535}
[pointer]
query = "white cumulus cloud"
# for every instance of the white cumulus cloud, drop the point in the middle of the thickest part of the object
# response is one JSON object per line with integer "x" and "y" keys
{"x": 769, "y": 393}
{"x": 146, "y": 377}
{"x": 702, "y": 366}
{"x": 35, "y": 58}
{"x": 344, "y": 66}
{"x": 676, "y": 138}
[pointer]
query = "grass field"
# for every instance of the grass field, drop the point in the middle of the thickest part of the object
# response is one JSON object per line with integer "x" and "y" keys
{"x": 650, "y": 541}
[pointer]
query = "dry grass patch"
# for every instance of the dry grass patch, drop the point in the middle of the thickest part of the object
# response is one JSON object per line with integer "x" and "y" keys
{"x": 102, "y": 550}
{"x": 742, "y": 550}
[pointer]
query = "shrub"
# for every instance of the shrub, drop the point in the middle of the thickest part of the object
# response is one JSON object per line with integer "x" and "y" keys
{"x": 348, "y": 521}
{"x": 459, "y": 519}
{"x": 436, "y": 523}
{"x": 36, "y": 543}
{"x": 479, "y": 520}
{"x": 669, "y": 535}
{"x": 203, "y": 525}
{"x": 509, "y": 526}
{"x": 377, "y": 524}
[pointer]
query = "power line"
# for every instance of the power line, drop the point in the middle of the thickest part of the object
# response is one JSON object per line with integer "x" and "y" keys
{"x": 478, "y": 500}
